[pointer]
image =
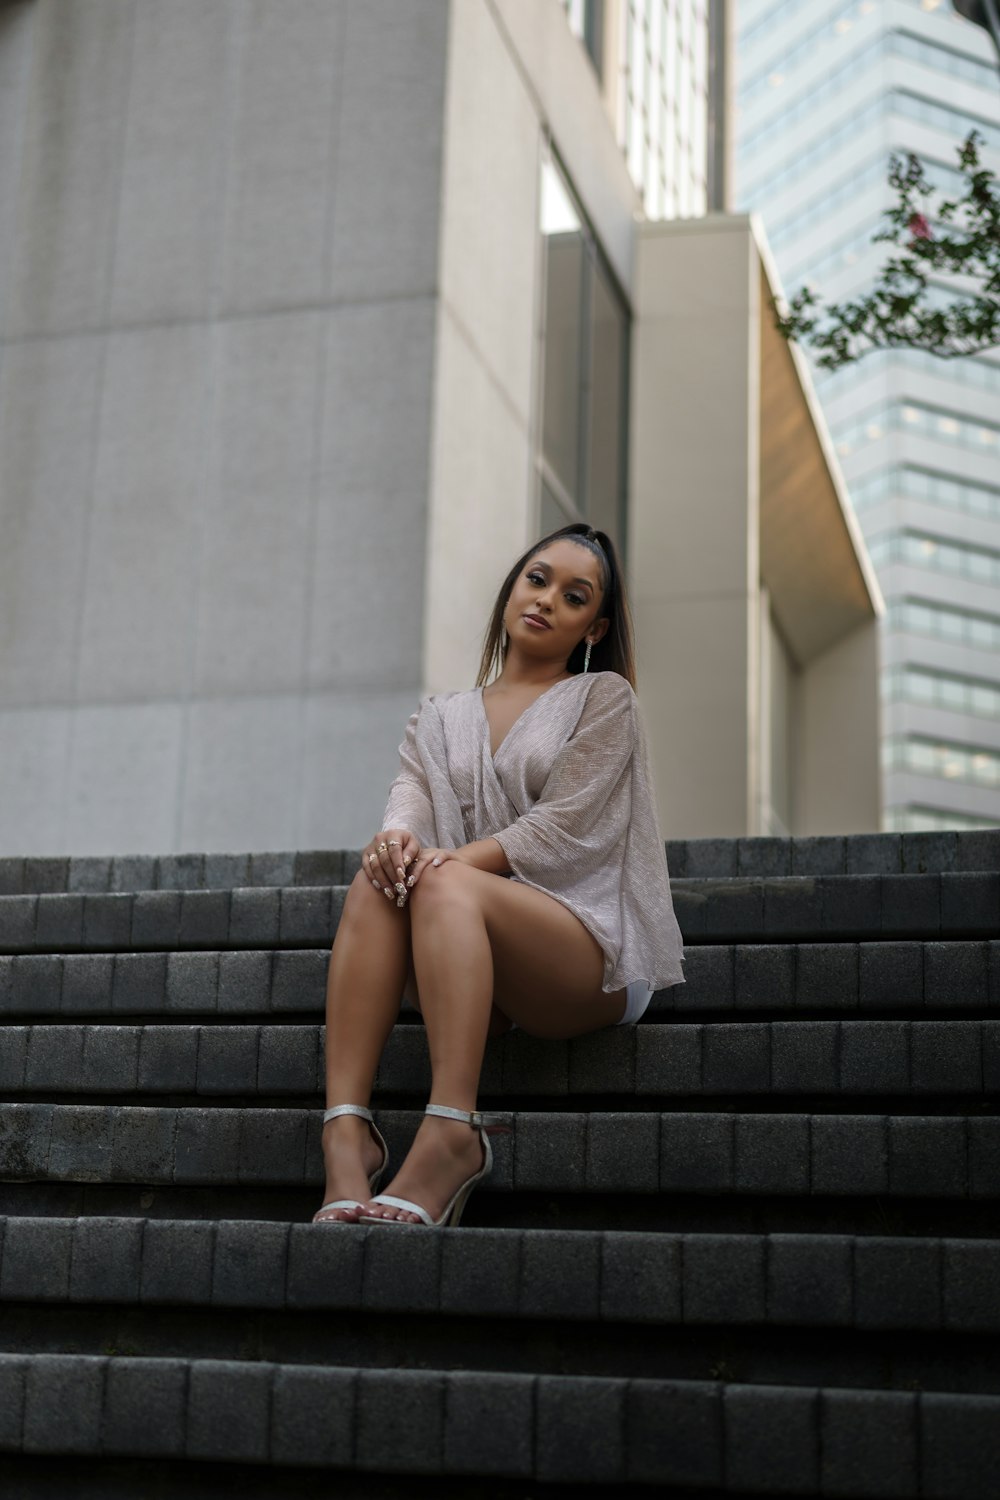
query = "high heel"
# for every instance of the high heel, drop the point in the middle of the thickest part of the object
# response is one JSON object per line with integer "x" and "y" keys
{"x": 452, "y": 1214}
{"x": 376, "y": 1176}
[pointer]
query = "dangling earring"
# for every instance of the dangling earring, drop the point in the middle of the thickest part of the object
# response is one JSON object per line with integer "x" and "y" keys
{"x": 586, "y": 657}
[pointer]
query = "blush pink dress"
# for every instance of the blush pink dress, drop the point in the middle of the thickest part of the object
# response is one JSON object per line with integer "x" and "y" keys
{"x": 569, "y": 798}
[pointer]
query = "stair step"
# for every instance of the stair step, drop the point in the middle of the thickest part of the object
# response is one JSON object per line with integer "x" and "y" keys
{"x": 953, "y": 904}
{"x": 143, "y": 921}
{"x": 810, "y": 1225}
{"x": 918, "y": 853}
{"x": 807, "y": 1441}
{"x": 739, "y": 1152}
{"x": 883, "y": 1057}
{"x": 842, "y": 907}
{"x": 903, "y": 976}
{"x": 867, "y": 1282}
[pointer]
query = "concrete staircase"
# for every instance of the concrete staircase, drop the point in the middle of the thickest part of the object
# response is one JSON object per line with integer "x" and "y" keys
{"x": 751, "y": 1246}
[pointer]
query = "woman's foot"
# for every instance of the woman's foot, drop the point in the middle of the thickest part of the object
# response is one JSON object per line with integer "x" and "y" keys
{"x": 351, "y": 1155}
{"x": 444, "y": 1154}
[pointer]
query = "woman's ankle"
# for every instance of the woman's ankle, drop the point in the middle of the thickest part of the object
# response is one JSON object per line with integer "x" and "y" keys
{"x": 453, "y": 1137}
{"x": 346, "y": 1127}
{"x": 347, "y": 1139}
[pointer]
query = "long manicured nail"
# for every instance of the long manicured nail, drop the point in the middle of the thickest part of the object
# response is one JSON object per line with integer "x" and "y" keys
{"x": 400, "y": 871}
{"x": 375, "y": 884}
{"x": 409, "y": 880}
{"x": 400, "y": 887}
{"x": 387, "y": 891}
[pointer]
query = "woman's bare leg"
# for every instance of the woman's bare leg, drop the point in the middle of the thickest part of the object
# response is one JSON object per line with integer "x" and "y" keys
{"x": 368, "y": 968}
{"x": 477, "y": 939}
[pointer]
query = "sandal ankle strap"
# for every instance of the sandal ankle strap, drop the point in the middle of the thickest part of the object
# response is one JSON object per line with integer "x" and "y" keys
{"x": 467, "y": 1117}
{"x": 349, "y": 1109}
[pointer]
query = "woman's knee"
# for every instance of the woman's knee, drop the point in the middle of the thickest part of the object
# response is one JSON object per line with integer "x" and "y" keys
{"x": 444, "y": 886}
{"x": 361, "y": 903}
{"x": 359, "y": 891}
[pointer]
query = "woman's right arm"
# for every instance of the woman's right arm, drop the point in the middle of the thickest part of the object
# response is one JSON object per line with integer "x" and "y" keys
{"x": 409, "y": 812}
{"x": 410, "y": 804}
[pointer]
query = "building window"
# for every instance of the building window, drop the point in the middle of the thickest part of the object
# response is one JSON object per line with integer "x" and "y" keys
{"x": 584, "y": 382}
{"x": 975, "y": 696}
{"x": 912, "y": 818}
{"x": 920, "y": 549}
{"x": 973, "y": 765}
{"x": 944, "y": 622}
{"x": 917, "y": 416}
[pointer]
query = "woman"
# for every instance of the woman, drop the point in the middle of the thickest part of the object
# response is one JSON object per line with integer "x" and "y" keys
{"x": 541, "y": 777}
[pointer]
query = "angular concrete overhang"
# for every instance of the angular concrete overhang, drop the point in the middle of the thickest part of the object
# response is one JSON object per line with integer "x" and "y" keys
{"x": 813, "y": 557}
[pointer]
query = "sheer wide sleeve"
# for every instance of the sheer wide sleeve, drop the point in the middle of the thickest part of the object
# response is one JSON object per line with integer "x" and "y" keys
{"x": 410, "y": 803}
{"x": 582, "y": 815}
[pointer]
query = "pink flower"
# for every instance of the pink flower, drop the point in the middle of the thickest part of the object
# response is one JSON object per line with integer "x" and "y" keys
{"x": 919, "y": 227}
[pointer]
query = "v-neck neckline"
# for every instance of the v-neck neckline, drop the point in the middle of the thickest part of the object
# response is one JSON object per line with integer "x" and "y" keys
{"x": 526, "y": 710}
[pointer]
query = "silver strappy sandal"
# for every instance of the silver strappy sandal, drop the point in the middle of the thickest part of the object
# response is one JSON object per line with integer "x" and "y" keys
{"x": 376, "y": 1176}
{"x": 453, "y": 1211}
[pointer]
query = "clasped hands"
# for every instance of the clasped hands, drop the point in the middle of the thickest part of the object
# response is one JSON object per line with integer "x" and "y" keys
{"x": 395, "y": 862}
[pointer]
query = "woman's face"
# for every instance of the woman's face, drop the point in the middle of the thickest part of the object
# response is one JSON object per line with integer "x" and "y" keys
{"x": 560, "y": 585}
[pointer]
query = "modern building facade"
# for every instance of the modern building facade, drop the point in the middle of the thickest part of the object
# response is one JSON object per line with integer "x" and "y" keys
{"x": 653, "y": 60}
{"x": 750, "y": 577}
{"x": 826, "y": 91}
{"x": 312, "y": 315}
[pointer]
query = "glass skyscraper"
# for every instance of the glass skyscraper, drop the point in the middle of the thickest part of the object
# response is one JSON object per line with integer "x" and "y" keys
{"x": 825, "y": 92}
{"x": 652, "y": 57}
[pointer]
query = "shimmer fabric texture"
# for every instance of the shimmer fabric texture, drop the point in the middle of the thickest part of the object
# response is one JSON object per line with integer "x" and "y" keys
{"x": 569, "y": 798}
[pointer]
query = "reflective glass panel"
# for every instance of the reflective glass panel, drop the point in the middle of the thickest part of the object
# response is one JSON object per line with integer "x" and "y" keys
{"x": 564, "y": 263}
{"x": 605, "y": 408}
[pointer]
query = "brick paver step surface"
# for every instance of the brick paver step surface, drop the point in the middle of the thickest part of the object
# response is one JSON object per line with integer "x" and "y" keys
{"x": 906, "y": 976}
{"x": 953, "y": 904}
{"x": 837, "y": 854}
{"x": 868, "y": 1282}
{"x": 786, "y": 1177}
{"x": 954, "y": 1056}
{"x": 536, "y": 1427}
{"x": 589, "y": 1152}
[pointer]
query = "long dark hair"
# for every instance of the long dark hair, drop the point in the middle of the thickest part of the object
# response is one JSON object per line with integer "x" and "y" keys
{"x": 615, "y": 652}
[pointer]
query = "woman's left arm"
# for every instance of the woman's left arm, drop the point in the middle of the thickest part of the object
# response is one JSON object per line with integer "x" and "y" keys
{"x": 484, "y": 854}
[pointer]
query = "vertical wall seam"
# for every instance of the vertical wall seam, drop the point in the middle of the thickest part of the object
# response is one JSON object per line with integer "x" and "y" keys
{"x": 97, "y": 418}
{"x": 22, "y": 115}
{"x": 213, "y": 325}
{"x": 322, "y": 335}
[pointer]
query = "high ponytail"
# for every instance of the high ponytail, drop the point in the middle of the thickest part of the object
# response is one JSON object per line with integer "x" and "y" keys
{"x": 614, "y": 652}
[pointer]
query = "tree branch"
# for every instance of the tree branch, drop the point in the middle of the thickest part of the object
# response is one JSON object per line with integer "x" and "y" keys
{"x": 961, "y": 238}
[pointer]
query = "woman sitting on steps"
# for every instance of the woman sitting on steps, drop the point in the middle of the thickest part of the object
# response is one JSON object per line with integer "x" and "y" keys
{"x": 519, "y": 878}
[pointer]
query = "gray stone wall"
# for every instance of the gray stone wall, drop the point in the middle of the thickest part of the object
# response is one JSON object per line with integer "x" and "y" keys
{"x": 269, "y": 364}
{"x": 219, "y": 225}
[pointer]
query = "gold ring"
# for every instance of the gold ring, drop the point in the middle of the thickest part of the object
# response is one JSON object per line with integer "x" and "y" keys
{"x": 393, "y": 844}
{"x": 382, "y": 847}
